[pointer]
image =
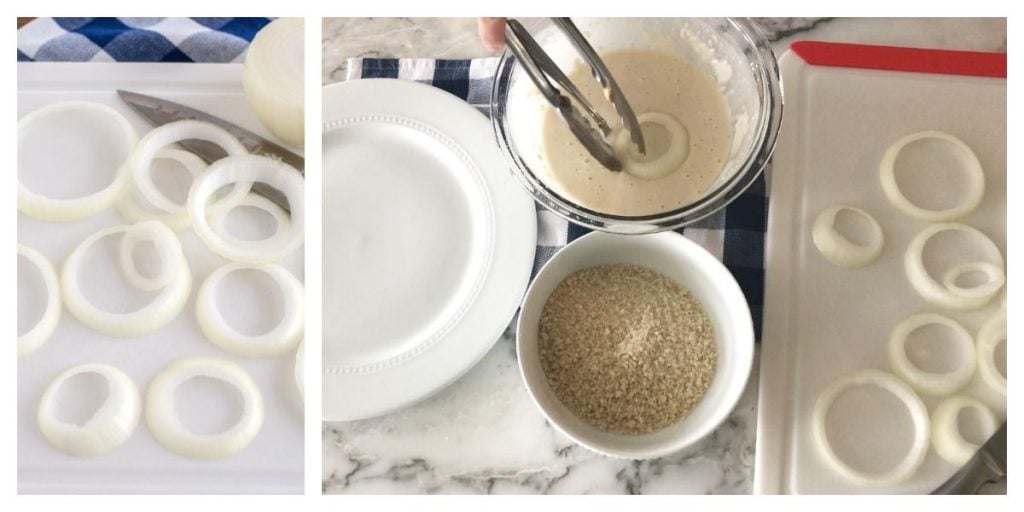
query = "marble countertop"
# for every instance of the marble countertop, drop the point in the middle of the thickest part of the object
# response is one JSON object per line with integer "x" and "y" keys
{"x": 483, "y": 434}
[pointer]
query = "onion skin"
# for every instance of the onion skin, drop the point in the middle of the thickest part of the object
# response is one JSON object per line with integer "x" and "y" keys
{"x": 273, "y": 79}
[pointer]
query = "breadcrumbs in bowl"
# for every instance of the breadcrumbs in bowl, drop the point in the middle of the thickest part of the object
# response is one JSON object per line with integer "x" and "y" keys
{"x": 635, "y": 346}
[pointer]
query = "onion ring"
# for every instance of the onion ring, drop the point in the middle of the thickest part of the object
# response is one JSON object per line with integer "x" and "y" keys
{"x": 976, "y": 176}
{"x": 838, "y": 249}
{"x": 170, "y": 133}
{"x": 109, "y": 427}
{"x": 279, "y": 340}
{"x": 129, "y": 208}
{"x": 250, "y": 168}
{"x": 925, "y": 381}
{"x": 163, "y": 420}
{"x": 947, "y": 439}
{"x": 60, "y": 210}
{"x": 996, "y": 279}
{"x": 662, "y": 165}
{"x": 167, "y": 246}
{"x": 918, "y": 414}
{"x": 932, "y": 291}
{"x": 161, "y": 310}
{"x": 43, "y": 329}
{"x": 989, "y": 337}
{"x": 218, "y": 220}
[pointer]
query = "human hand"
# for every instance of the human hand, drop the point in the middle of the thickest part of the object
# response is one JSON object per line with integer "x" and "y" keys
{"x": 492, "y": 32}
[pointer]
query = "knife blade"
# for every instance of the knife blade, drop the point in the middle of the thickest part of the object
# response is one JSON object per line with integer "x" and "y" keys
{"x": 158, "y": 112}
{"x": 988, "y": 465}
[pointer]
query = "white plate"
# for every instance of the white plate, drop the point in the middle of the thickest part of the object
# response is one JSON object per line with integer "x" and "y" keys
{"x": 428, "y": 244}
{"x": 823, "y": 322}
{"x": 273, "y": 462}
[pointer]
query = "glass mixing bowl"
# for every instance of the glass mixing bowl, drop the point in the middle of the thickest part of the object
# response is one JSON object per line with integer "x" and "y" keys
{"x": 733, "y": 51}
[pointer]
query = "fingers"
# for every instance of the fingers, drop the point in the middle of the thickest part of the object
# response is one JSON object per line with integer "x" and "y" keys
{"x": 492, "y": 32}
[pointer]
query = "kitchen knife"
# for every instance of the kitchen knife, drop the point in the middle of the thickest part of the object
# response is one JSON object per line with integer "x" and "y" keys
{"x": 160, "y": 112}
{"x": 987, "y": 466}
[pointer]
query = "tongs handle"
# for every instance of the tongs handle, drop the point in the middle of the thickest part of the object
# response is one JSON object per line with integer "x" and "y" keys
{"x": 601, "y": 73}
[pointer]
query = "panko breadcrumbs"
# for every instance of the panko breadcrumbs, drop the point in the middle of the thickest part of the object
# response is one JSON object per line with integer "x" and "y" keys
{"x": 626, "y": 349}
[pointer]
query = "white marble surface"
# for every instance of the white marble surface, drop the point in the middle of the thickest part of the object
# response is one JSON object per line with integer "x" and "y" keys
{"x": 483, "y": 434}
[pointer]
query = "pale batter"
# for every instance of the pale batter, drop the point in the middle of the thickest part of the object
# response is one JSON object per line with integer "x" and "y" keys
{"x": 655, "y": 83}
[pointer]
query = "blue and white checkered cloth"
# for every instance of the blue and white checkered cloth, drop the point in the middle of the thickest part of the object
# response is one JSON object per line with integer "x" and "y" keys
{"x": 215, "y": 40}
{"x": 735, "y": 235}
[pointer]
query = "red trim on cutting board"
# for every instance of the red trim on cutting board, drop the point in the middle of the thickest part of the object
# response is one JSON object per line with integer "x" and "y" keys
{"x": 895, "y": 58}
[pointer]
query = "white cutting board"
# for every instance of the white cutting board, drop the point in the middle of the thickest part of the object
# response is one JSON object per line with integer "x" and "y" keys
{"x": 821, "y": 321}
{"x": 273, "y": 462}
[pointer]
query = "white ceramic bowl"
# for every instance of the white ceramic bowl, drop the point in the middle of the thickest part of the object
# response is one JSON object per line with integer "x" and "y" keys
{"x": 693, "y": 268}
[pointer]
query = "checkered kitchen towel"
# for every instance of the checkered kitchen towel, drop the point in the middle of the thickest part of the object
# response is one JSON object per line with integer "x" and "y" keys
{"x": 215, "y": 40}
{"x": 735, "y": 235}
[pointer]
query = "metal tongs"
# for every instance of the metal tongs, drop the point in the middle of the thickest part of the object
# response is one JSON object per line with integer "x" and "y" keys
{"x": 542, "y": 71}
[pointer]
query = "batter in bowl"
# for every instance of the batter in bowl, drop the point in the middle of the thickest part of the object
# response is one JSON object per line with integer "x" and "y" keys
{"x": 686, "y": 126}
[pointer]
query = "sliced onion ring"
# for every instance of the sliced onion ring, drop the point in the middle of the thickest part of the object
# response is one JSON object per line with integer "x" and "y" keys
{"x": 161, "y": 310}
{"x": 110, "y": 426}
{"x": 975, "y": 175}
{"x": 996, "y": 278}
{"x": 218, "y": 220}
{"x": 43, "y": 329}
{"x": 918, "y": 414}
{"x": 949, "y": 442}
{"x": 989, "y": 337}
{"x": 170, "y": 133}
{"x": 281, "y": 339}
{"x": 838, "y": 249}
{"x": 662, "y": 165}
{"x": 166, "y": 426}
{"x": 167, "y": 246}
{"x": 925, "y": 381}
{"x": 61, "y": 210}
{"x": 249, "y": 168}
{"x": 129, "y": 208}
{"x": 932, "y": 291}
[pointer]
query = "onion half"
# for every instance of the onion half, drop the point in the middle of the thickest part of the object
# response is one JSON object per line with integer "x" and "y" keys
{"x": 166, "y": 426}
{"x": 918, "y": 414}
{"x": 949, "y": 442}
{"x": 43, "y": 329}
{"x": 281, "y": 339}
{"x": 249, "y": 169}
{"x": 110, "y": 426}
{"x": 62, "y": 210}
{"x": 958, "y": 299}
{"x": 838, "y": 249}
{"x": 989, "y": 337}
{"x": 925, "y": 381}
{"x": 273, "y": 78}
{"x": 161, "y": 310}
{"x": 170, "y": 133}
{"x": 975, "y": 174}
